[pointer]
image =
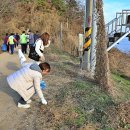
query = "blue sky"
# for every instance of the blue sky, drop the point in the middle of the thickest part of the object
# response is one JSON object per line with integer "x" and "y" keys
{"x": 110, "y": 8}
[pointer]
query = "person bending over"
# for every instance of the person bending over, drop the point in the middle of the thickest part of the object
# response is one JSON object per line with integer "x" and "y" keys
{"x": 26, "y": 81}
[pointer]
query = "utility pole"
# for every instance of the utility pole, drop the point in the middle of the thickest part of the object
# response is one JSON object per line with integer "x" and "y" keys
{"x": 94, "y": 40}
{"x": 88, "y": 29}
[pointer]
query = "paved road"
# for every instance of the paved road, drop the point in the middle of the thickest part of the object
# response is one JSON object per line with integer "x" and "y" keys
{"x": 9, "y": 113}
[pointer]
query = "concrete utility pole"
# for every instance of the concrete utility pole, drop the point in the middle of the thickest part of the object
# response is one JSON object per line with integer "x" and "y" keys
{"x": 94, "y": 40}
{"x": 88, "y": 29}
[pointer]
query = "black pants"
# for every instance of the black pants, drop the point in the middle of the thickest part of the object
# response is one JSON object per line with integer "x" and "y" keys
{"x": 24, "y": 48}
{"x": 22, "y": 101}
{"x": 8, "y": 47}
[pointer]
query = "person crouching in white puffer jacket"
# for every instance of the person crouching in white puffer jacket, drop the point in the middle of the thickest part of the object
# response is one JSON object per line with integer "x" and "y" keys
{"x": 26, "y": 81}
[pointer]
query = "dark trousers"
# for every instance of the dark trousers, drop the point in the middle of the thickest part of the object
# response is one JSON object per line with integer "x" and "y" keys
{"x": 24, "y": 48}
{"x": 22, "y": 101}
{"x": 8, "y": 47}
{"x": 30, "y": 45}
{"x": 12, "y": 48}
{"x": 16, "y": 44}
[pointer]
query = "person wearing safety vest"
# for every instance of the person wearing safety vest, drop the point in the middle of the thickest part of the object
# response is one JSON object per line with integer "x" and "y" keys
{"x": 23, "y": 42}
{"x": 11, "y": 41}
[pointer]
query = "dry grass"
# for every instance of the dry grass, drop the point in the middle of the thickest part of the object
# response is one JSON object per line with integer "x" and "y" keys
{"x": 42, "y": 19}
{"x": 119, "y": 62}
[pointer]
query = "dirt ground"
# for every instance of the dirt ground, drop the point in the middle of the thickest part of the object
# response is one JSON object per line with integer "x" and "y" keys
{"x": 37, "y": 117}
{"x": 9, "y": 113}
{"x": 67, "y": 107}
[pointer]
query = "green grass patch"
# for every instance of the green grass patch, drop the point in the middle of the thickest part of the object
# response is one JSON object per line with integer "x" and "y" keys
{"x": 80, "y": 84}
{"x": 92, "y": 103}
{"x": 80, "y": 119}
{"x": 91, "y": 95}
{"x": 122, "y": 87}
{"x": 107, "y": 129}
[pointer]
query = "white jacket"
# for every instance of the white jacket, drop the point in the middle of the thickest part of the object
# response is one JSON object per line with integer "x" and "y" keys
{"x": 40, "y": 46}
{"x": 26, "y": 81}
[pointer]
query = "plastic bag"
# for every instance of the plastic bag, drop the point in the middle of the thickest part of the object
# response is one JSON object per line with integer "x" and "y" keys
{"x": 42, "y": 85}
{"x": 3, "y": 47}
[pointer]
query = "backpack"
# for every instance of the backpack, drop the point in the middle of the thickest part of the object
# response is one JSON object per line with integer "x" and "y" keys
{"x": 33, "y": 54}
{"x": 4, "y": 47}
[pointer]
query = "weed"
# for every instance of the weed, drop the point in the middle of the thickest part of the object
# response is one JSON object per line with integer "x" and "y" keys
{"x": 81, "y": 118}
{"x": 92, "y": 103}
{"x": 81, "y": 84}
{"x": 107, "y": 129}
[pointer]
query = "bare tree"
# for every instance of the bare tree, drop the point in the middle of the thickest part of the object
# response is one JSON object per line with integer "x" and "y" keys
{"x": 6, "y": 6}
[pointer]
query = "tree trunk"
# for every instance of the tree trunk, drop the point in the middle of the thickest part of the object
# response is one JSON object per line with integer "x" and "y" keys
{"x": 102, "y": 72}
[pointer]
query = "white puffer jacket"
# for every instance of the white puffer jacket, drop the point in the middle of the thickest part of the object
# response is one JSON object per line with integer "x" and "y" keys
{"x": 26, "y": 81}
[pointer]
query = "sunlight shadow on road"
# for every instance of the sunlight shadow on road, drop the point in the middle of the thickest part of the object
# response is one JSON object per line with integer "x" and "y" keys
{"x": 5, "y": 88}
{"x": 12, "y": 66}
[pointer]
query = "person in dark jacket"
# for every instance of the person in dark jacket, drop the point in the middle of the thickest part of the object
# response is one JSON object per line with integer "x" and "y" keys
{"x": 6, "y": 41}
{"x": 31, "y": 38}
{"x": 36, "y": 36}
{"x": 17, "y": 37}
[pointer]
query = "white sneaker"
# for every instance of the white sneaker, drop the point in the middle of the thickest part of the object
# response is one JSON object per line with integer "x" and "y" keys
{"x": 29, "y": 101}
{"x": 23, "y": 105}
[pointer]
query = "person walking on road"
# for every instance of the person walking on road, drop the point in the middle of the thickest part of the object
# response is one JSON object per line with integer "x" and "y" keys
{"x": 36, "y": 36}
{"x": 6, "y": 41}
{"x": 23, "y": 42}
{"x": 11, "y": 41}
{"x": 31, "y": 38}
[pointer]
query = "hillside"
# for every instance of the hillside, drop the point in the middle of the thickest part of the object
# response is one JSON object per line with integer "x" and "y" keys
{"x": 55, "y": 17}
{"x": 119, "y": 62}
{"x": 75, "y": 102}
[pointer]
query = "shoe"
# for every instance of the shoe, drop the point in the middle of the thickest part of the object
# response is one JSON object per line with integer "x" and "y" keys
{"x": 29, "y": 101}
{"x": 23, "y": 105}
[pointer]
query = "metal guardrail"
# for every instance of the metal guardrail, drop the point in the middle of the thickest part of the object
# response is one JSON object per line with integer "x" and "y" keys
{"x": 123, "y": 36}
{"x": 118, "y": 24}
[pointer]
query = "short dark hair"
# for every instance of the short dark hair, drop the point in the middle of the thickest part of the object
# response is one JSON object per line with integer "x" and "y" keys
{"x": 45, "y": 66}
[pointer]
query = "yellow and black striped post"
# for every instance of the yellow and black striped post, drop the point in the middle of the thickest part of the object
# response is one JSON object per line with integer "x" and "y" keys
{"x": 88, "y": 40}
{"x": 87, "y": 35}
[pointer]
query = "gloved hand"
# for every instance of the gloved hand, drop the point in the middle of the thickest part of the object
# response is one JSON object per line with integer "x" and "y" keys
{"x": 44, "y": 101}
{"x": 42, "y": 58}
